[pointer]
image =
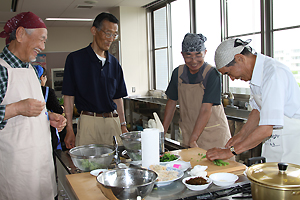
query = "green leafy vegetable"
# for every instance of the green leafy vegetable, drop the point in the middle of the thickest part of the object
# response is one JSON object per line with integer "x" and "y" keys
{"x": 90, "y": 165}
{"x": 167, "y": 157}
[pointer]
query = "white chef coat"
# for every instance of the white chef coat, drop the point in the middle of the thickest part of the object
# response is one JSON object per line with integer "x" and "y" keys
{"x": 276, "y": 95}
{"x": 279, "y": 91}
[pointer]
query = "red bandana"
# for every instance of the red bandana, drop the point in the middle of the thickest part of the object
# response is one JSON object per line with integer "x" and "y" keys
{"x": 24, "y": 19}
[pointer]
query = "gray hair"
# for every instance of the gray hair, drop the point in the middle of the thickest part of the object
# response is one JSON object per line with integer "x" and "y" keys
{"x": 13, "y": 33}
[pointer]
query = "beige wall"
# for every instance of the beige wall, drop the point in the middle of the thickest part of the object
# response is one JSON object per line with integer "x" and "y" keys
{"x": 133, "y": 37}
{"x": 64, "y": 39}
{"x": 67, "y": 39}
{"x": 134, "y": 59}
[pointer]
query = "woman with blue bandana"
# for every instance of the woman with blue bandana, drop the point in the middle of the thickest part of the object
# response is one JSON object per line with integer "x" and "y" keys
{"x": 196, "y": 85}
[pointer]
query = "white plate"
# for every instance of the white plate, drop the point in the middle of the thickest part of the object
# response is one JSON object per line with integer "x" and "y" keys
{"x": 164, "y": 183}
{"x": 97, "y": 171}
{"x": 184, "y": 165}
{"x": 165, "y": 163}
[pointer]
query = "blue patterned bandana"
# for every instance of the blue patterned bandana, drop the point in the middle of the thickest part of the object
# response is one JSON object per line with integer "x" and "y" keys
{"x": 193, "y": 42}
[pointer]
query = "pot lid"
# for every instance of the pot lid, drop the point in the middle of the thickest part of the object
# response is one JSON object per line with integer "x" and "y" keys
{"x": 279, "y": 175}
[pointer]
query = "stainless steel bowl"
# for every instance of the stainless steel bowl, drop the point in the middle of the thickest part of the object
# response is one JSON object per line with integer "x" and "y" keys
{"x": 126, "y": 183}
{"x": 132, "y": 144}
{"x": 93, "y": 156}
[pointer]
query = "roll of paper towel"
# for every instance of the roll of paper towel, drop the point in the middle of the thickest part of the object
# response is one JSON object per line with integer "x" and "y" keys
{"x": 150, "y": 147}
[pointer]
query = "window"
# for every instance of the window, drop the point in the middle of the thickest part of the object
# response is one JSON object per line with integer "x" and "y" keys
{"x": 208, "y": 23}
{"x": 168, "y": 38}
{"x": 180, "y": 25}
{"x": 286, "y": 32}
{"x": 243, "y": 21}
{"x": 160, "y": 48}
{"x": 222, "y": 19}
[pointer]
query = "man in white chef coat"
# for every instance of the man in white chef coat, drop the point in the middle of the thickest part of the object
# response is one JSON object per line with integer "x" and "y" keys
{"x": 26, "y": 163}
{"x": 275, "y": 99}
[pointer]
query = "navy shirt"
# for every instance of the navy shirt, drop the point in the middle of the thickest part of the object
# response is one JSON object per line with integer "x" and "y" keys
{"x": 94, "y": 86}
{"x": 212, "y": 91}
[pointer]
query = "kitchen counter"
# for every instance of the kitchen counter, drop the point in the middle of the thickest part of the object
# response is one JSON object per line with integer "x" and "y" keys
{"x": 84, "y": 186}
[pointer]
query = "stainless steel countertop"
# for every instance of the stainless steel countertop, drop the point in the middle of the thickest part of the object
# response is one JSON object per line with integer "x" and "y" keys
{"x": 236, "y": 113}
{"x": 232, "y": 113}
{"x": 177, "y": 190}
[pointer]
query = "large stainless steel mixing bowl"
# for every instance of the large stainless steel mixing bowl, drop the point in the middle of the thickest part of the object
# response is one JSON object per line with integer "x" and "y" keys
{"x": 126, "y": 183}
{"x": 93, "y": 156}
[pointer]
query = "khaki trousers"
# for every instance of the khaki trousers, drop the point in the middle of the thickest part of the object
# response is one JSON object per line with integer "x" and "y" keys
{"x": 98, "y": 130}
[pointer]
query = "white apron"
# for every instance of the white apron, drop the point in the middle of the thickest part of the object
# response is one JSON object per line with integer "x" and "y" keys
{"x": 284, "y": 144}
{"x": 26, "y": 163}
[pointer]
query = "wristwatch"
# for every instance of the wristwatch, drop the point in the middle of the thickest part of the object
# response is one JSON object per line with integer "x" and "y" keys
{"x": 232, "y": 150}
{"x": 123, "y": 124}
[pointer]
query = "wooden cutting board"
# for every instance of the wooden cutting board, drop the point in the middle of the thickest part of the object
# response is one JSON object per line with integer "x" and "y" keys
{"x": 85, "y": 186}
{"x": 193, "y": 155}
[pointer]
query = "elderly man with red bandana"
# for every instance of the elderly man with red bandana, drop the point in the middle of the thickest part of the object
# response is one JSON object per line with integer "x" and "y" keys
{"x": 26, "y": 164}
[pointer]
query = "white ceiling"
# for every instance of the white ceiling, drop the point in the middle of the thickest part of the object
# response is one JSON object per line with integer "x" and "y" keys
{"x": 64, "y": 8}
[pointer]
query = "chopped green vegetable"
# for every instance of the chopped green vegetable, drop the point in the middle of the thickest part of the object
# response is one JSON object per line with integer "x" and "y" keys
{"x": 220, "y": 162}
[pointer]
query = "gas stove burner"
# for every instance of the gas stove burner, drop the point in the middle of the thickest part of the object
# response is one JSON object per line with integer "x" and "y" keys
{"x": 236, "y": 192}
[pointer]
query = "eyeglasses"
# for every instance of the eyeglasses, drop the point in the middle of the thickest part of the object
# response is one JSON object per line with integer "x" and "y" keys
{"x": 190, "y": 58}
{"x": 109, "y": 35}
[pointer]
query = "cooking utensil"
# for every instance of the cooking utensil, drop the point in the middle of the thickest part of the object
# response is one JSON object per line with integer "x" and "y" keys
{"x": 93, "y": 156}
{"x": 126, "y": 183}
{"x": 274, "y": 181}
{"x": 117, "y": 158}
{"x": 159, "y": 125}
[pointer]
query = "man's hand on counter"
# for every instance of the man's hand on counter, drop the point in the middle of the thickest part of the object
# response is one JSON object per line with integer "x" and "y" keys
{"x": 218, "y": 153}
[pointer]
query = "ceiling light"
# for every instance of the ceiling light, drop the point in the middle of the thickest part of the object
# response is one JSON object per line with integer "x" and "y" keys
{"x": 90, "y": 2}
{"x": 69, "y": 19}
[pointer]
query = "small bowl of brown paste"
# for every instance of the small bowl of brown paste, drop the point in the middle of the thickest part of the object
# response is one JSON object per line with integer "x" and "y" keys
{"x": 196, "y": 182}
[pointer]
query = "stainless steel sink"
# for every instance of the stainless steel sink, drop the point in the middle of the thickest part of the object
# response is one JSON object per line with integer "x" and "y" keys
{"x": 236, "y": 113}
{"x": 153, "y": 100}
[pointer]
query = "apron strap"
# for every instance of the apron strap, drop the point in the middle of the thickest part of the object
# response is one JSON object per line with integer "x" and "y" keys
{"x": 46, "y": 94}
{"x": 4, "y": 63}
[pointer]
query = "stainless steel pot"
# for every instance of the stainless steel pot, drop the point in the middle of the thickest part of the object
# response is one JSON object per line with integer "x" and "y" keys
{"x": 274, "y": 181}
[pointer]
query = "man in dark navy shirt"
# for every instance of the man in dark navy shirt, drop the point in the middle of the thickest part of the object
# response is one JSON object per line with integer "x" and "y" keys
{"x": 93, "y": 79}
